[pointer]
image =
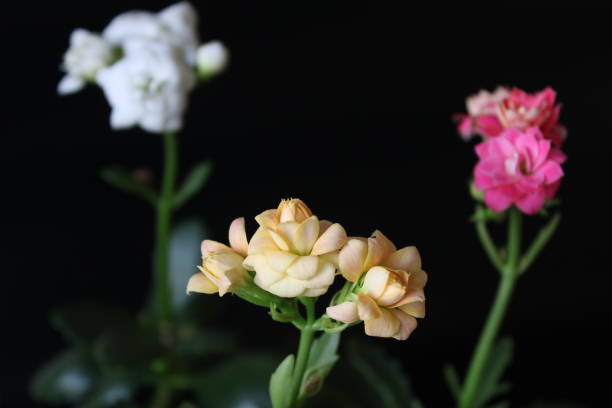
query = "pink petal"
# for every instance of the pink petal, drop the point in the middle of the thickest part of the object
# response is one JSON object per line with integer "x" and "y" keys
{"x": 352, "y": 257}
{"x": 209, "y": 246}
{"x": 407, "y": 325}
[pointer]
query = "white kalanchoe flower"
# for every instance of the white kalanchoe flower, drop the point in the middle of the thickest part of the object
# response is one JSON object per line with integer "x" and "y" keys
{"x": 148, "y": 86}
{"x": 88, "y": 53}
{"x": 211, "y": 58}
{"x": 175, "y": 25}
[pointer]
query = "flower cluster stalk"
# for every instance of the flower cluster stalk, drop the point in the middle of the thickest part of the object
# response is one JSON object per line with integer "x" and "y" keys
{"x": 162, "y": 231}
{"x": 509, "y": 274}
{"x": 306, "y": 338}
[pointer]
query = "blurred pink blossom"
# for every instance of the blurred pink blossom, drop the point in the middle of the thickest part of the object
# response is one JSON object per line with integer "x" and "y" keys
{"x": 518, "y": 167}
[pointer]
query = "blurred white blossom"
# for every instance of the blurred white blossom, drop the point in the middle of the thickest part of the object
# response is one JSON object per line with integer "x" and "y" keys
{"x": 87, "y": 54}
{"x": 211, "y": 58}
{"x": 174, "y": 25}
{"x": 148, "y": 86}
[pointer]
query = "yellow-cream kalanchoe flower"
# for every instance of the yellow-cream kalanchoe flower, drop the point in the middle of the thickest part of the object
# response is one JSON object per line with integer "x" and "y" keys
{"x": 293, "y": 253}
{"x": 390, "y": 298}
{"x": 222, "y": 269}
{"x": 360, "y": 254}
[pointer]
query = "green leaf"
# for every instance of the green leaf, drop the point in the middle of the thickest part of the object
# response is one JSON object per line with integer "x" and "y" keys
{"x": 280, "y": 383}
{"x": 110, "y": 392}
{"x": 124, "y": 181}
{"x": 238, "y": 382}
{"x": 383, "y": 373}
{"x": 66, "y": 379}
{"x": 193, "y": 183}
{"x": 323, "y": 357}
{"x": 81, "y": 323}
{"x": 130, "y": 353}
{"x": 452, "y": 379}
{"x": 499, "y": 359}
{"x": 184, "y": 256}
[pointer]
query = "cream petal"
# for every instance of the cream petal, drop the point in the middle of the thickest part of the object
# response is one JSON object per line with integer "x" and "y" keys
{"x": 407, "y": 325}
{"x": 392, "y": 294}
{"x": 267, "y": 219}
{"x": 288, "y": 230}
{"x": 201, "y": 284}
{"x": 331, "y": 240}
{"x": 280, "y": 260}
{"x": 416, "y": 309}
{"x": 330, "y": 257}
{"x": 209, "y": 246}
{"x": 237, "y": 237}
{"x": 314, "y": 292}
{"x": 345, "y": 312}
{"x": 324, "y": 277}
{"x": 287, "y": 287}
{"x": 230, "y": 279}
{"x": 387, "y": 325}
{"x": 385, "y": 243}
{"x": 262, "y": 242}
{"x": 210, "y": 276}
{"x": 251, "y": 262}
{"x": 375, "y": 281}
{"x": 406, "y": 259}
{"x": 264, "y": 274}
{"x": 218, "y": 262}
{"x": 352, "y": 258}
{"x": 279, "y": 240}
{"x": 413, "y": 294}
{"x": 305, "y": 267}
{"x": 306, "y": 235}
{"x": 367, "y": 307}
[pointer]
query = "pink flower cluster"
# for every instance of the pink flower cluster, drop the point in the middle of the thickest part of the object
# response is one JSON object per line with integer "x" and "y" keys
{"x": 520, "y": 158}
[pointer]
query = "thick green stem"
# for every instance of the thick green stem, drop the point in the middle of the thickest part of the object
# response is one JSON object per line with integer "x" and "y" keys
{"x": 496, "y": 314}
{"x": 162, "y": 231}
{"x": 306, "y": 339}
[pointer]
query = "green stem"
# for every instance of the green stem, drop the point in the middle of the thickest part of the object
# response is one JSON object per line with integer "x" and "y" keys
{"x": 539, "y": 242}
{"x": 496, "y": 314}
{"x": 488, "y": 245}
{"x": 306, "y": 339}
{"x": 162, "y": 232}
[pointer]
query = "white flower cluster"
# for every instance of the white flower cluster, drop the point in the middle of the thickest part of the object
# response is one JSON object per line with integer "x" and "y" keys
{"x": 146, "y": 64}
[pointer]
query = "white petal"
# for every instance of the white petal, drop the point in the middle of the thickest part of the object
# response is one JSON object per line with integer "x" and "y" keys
{"x": 70, "y": 84}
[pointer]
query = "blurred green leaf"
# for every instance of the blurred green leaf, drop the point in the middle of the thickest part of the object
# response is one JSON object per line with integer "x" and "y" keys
{"x": 124, "y": 181}
{"x": 323, "y": 356}
{"x": 198, "y": 343}
{"x": 184, "y": 257}
{"x": 110, "y": 392}
{"x": 499, "y": 359}
{"x": 452, "y": 379}
{"x": 238, "y": 382}
{"x": 81, "y": 323}
{"x": 382, "y": 372}
{"x": 193, "y": 183}
{"x": 129, "y": 353}
{"x": 280, "y": 383}
{"x": 66, "y": 379}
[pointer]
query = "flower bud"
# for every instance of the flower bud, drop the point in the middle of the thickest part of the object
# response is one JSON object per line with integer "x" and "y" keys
{"x": 211, "y": 59}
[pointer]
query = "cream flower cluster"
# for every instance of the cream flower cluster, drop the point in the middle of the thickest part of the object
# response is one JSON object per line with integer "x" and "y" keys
{"x": 294, "y": 254}
{"x": 146, "y": 64}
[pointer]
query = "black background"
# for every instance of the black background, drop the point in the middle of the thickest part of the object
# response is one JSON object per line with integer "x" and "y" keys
{"x": 349, "y": 108}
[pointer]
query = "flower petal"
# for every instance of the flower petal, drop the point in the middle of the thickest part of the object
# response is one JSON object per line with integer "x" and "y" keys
{"x": 387, "y": 325}
{"x": 201, "y": 284}
{"x": 280, "y": 260}
{"x": 279, "y": 240}
{"x": 375, "y": 281}
{"x": 237, "y": 237}
{"x": 407, "y": 325}
{"x": 367, "y": 307}
{"x": 345, "y": 312}
{"x": 324, "y": 277}
{"x": 267, "y": 219}
{"x": 406, "y": 259}
{"x": 331, "y": 240}
{"x": 209, "y": 247}
{"x": 306, "y": 235}
{"x": 305, "y": 267}
{"x": 416, "y": 309}
{"x": 287, "y": 287}
{"x": 352, "y": 258}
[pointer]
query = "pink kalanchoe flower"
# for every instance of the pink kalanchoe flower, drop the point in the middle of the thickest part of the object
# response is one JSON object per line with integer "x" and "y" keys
{"x": 482, "y": 114}
{"x": 518, "y": 167}
{"x": 522, "y": 110}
